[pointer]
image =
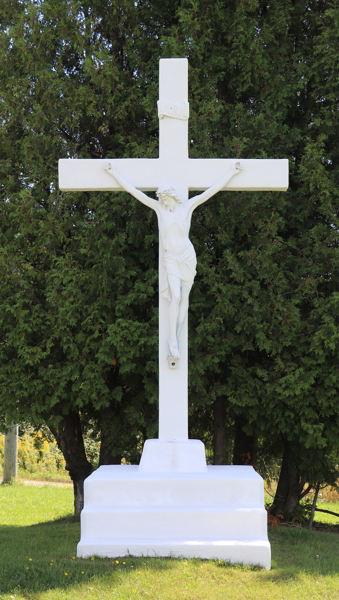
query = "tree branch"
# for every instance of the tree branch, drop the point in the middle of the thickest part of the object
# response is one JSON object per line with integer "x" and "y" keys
{"x": 329, "y": 512}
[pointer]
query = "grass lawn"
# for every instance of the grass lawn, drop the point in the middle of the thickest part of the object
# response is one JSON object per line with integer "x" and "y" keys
{"x": 325, "y": 518}
{"x": 38, "y": 538}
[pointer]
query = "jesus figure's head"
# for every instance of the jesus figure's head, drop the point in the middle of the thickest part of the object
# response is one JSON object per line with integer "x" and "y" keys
{"x": 167, "y": 194}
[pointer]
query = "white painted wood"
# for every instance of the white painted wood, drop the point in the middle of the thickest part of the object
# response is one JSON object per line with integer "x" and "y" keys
{"x": 10, "y": 454}
{"x": 173, "y": 133}
{"x": 172, "y": 504}
{"x": 173, "y": 142}
{"x": 184, "y": 174}
{"x": 148, "y": 174}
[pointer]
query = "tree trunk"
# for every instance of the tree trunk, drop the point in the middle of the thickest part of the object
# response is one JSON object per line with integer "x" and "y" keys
{"x": 107, "y": 457}
{"x": 281, "y": 495}
{"x": 71, "y": 443}
{"x": 11, "y": 454}
{"x": 108, "y": 438}
{"x": 244, "y": 445}
{"x": 79, "y": 497}
{"x": 220, "y": 434}
{"x": 290, "y": 489}
{"x": 314, "y": 505}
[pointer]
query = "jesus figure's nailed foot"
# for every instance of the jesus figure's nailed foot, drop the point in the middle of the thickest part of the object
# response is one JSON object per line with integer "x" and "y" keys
{"x": 173, "y": 348}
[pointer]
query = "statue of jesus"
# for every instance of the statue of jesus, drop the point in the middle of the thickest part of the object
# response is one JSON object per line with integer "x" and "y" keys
{"x": 174, "y": 219}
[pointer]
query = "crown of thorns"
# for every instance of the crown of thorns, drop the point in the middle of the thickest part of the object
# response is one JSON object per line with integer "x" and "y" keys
{"x": 168, "y": 190}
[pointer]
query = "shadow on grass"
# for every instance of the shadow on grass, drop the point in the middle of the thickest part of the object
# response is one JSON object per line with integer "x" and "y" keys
{"x": 300, "y": 550}
{"x": 41, "y": 557}
{"x": 68, "y": 519}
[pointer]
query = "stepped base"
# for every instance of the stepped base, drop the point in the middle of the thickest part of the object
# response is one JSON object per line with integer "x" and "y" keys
{"x": 254, "y": 552}
{"x": 218, "y": 513}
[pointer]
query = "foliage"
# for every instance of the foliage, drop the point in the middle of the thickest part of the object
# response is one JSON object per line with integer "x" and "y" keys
{"x": 79, "y": 272}
{"x": 37, "y": 455}
{"x": 77, "y": 282}
{"x": 301, "y": 515}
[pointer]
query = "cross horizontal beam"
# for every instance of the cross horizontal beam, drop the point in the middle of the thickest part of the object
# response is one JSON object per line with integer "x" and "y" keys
{"x": 149, "y": 174}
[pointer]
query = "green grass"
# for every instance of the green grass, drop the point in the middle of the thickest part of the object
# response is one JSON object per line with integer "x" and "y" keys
{"x": 323, "y": 517}
{"x": 38, "y": 538}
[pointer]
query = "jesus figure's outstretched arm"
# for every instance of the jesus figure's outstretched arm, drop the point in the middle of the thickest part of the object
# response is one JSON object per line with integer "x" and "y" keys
{"x": 236, "y": 168}
{"x": 126, "y": 185}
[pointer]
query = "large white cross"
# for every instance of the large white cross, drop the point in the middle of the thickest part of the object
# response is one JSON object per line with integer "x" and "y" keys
{"x": 172, "y": 167}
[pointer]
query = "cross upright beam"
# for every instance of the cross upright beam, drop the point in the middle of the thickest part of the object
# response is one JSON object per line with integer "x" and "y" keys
{"x": 173, "y": 93}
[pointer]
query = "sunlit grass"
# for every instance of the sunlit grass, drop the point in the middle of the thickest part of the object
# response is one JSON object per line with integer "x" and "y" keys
{"x": 38, "y": 538}
{"x": 22, "y": 505}
{"x": 325, "y": 518}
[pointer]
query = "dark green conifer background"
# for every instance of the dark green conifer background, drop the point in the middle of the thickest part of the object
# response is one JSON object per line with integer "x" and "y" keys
{"x": 78, "y": 296}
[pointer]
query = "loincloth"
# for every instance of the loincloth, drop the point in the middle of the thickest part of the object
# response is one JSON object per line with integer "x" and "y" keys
{"x": 183, "y": 267}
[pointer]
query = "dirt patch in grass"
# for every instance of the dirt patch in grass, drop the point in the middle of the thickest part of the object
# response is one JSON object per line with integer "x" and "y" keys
{"x": 42, "y": 483}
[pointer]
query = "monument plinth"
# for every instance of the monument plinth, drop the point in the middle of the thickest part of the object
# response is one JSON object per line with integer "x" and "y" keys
{"x": 218, "y": 513}
{"x": 172, "y": 504}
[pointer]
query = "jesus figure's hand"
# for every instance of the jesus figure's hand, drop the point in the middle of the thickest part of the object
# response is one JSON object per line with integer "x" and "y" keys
{"x": 238, "y": 167}
{"x": 107, "y": 166}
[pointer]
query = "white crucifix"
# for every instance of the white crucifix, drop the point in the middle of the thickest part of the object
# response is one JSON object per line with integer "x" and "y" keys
{"x": 173, "y": 175}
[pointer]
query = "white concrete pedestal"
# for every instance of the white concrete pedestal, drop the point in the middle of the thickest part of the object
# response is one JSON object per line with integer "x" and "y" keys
{"x": 175, "y": 456}
{"x": 217, "y": 512}
{"x": 173, "y": 504}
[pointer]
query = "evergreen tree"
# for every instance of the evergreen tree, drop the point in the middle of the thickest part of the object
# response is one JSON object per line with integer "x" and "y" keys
{"x": 79, "y": 271}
